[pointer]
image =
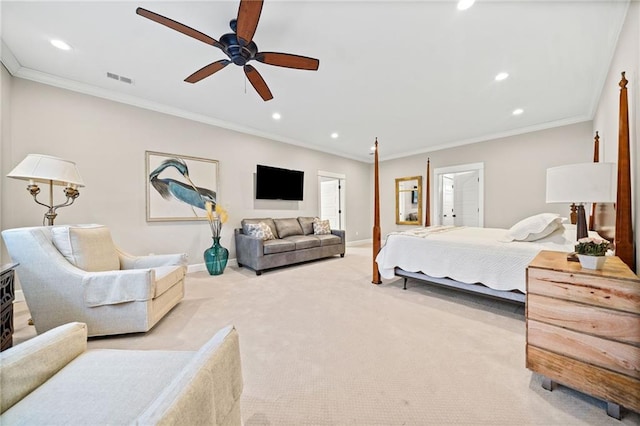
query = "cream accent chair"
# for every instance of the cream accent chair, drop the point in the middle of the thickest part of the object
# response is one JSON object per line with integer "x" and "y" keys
{"x": 76, "y": 273}
{"x": 52, "y": 379}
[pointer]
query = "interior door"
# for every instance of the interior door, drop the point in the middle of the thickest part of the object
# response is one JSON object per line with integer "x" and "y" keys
{"x": 448, "y": 198}
{"x": 330, "y": 201}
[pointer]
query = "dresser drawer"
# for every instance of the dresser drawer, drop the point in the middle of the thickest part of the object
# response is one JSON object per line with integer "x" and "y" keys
{"x": 591, "y": 289}
{"x": 621, "y": 357}
{"x": 607, "y": 323}
{"x": 599, "y": 382}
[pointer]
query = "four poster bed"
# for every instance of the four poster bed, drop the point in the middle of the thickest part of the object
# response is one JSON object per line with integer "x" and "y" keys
{"x": 493, "y": 261}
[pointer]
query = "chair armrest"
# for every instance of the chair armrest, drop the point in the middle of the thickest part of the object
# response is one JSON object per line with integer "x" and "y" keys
{"x": 214, "y": 375}
{"x": 112, "y": 287}
{"x": 129, "y": 261}
{"x": 26, "y": 366}
{"x": 248, "y": 248}
{"x": 339, "y": 232}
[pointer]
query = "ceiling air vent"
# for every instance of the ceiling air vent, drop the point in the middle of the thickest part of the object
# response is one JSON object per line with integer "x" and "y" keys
{"x": 121, "y": 78}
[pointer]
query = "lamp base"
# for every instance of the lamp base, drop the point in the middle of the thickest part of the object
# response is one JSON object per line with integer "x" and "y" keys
{"x": 581, "y": 224}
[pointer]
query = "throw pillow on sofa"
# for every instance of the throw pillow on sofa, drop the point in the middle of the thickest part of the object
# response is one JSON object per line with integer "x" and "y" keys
{"x": 321, "y": 227}
{"x": 259, "y": 230}
{"x": 307, "y": 224}
{"x": 288, "y": 227}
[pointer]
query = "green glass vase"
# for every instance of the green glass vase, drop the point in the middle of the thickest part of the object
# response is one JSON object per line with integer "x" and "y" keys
{"x": 216, "y": 257}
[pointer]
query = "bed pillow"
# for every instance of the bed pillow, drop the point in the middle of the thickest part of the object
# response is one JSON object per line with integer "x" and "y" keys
{"x": 89, "y": 248}
{"x": 534, "y": 227}
{"x": 321, "y": 227}
{"x": 259, "y": 230}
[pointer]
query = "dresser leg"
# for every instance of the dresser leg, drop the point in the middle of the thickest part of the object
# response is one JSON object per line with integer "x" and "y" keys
{"x": 613, "y": 410}
{"x": 547, "y": 383}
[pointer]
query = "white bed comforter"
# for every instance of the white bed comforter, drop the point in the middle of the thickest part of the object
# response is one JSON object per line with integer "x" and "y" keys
{"x": 469, "y": 255}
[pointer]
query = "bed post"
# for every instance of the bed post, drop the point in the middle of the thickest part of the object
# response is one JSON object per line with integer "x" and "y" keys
{"x": 427, "y": 215}
{"x": 596, "y": 159}
{"x": 624, "y": 245}
{"x": 376, "y": 217}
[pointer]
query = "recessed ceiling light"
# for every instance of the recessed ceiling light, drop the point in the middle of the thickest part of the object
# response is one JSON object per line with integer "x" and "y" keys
{"x": 276, "y": 116}
{"x": 334, "y": 135}
{"x": 60, "y": 44}
{"x": 465, "y": 4}
{"x": 501, "y": 76}
{"x": 517, "y": 111}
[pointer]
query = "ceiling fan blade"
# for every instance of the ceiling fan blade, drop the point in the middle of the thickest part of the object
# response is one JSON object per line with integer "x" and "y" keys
{"x": 258, "y": 83}
{"x": 207, "y": 71}
{"x": 247, "y": 22}
{"x": 288, "y": 60}
{"x": 177, "y": 26}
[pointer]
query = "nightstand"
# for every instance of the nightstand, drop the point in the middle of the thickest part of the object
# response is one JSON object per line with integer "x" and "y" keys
{"x": 583, "y": 328}
{"x": 7, "y": 294}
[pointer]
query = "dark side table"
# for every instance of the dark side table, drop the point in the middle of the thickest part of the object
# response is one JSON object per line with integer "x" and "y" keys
{"x": 7, "y": 295}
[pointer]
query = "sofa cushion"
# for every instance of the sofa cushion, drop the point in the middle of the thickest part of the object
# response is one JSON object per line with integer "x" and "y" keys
{"x": 304, "y": 241}
{"x": 89, "y": 248}
{"x": 266, "y": 220}
{"x": 306, "y": 223}
{"x": 328, "y": 240}
{"x": 259, "y": 230}
{"x": 321, "y": 227}
{"x": 288, "y": 227}
{"x": 278, "y": 246}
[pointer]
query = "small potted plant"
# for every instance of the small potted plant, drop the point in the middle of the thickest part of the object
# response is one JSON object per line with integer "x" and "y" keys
{"x": 591, "y": 252}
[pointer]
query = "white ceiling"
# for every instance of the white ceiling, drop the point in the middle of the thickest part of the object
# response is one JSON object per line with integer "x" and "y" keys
{"x": 418, "y": 75}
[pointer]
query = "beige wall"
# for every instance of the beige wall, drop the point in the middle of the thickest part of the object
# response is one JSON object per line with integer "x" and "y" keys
{"x": 626, "y": 58}
{"x": 5, "y": 122}
{"x": 107, "y": 140}
{"x": 514, "y": 172}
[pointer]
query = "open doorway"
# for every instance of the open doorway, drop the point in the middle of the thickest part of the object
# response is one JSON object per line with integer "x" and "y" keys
{"x": 331, "y": 198}
{"x": 459, "y": 199}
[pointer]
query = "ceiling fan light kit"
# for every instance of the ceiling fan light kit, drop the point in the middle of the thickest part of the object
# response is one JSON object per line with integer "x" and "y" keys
{"x": 238, "y": 46}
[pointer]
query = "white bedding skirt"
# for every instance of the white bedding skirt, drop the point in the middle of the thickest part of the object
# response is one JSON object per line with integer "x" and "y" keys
{"x": 469, "y": 255}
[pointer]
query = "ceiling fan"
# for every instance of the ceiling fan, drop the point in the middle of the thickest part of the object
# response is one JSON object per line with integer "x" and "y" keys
{"x": 238, "y": 46}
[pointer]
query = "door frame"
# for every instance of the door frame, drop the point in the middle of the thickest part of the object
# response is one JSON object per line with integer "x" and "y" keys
{"x": 343, "y": 198}
{"x": 437, "y": 188}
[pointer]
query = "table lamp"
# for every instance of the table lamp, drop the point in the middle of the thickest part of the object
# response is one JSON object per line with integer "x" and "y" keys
{"x": 579, "y": 184}
{"x": 37, "y": 168}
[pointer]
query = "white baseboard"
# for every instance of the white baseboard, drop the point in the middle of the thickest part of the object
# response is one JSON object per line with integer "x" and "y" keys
{"x": 19, "y": 296}
{"x": 359, "y": 242}
{"x": 200, "y": 267}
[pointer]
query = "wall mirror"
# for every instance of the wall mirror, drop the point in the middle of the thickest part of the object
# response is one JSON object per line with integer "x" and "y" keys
{"x": 409, "y": 200}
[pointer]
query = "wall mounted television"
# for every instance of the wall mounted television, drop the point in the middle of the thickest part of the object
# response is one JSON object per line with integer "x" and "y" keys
{"x": 273, "y": 183}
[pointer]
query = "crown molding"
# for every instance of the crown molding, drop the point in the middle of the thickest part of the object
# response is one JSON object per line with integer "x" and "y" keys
{"x": 493, "y": 136}
{"x": 8, "y": 59}
{"x": 19, "y": 71}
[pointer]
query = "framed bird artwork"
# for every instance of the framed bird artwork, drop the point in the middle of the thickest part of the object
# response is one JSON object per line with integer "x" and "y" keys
{"x": 179, "y": 186}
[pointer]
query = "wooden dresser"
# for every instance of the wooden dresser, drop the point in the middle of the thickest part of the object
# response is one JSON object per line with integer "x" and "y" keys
{"x": 583, "y": 328}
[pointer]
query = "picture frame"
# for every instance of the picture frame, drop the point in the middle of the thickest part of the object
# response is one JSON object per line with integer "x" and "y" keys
{"x": 162, "y": 172}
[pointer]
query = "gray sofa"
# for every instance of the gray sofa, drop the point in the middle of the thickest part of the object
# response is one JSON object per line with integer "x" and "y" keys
{"x": 294, "y": 242}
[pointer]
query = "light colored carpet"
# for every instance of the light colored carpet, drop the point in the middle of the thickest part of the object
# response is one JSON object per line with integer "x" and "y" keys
{"x": 321, "y": 345}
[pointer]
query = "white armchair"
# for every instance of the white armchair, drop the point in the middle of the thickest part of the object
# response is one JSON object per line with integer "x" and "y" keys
{"x": 76, "y": 273}
{"x": 53, "y": 379}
